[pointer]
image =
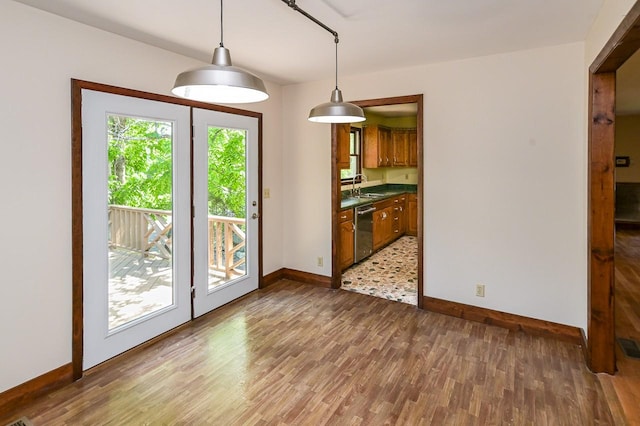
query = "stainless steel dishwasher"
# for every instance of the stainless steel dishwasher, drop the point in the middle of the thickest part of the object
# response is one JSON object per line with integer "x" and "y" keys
{"x": 363, "y": 245}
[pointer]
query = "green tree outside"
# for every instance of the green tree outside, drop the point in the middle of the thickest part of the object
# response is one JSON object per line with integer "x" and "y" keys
{"x": 140, "y": 164}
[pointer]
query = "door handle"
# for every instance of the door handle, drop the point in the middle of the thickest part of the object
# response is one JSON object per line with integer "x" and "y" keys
{"x": 255, "y": 216}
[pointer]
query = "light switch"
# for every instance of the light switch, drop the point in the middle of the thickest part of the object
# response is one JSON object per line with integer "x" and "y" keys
{"x": 267, "y": 193}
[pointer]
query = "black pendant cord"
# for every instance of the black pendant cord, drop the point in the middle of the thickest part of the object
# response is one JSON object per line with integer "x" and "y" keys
{"x": 221, "y": 26}
{"x": 292, "y": 4}
{"x": 336, "y": 62}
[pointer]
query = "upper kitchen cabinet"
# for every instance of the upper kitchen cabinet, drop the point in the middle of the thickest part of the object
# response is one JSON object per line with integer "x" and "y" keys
{"x": 400, "y": 146}
{"x": 343, "y": 154}
{"x": 412, "y": 140}
{"x": 377, "y": 147}
{"x": 389, "y": 147}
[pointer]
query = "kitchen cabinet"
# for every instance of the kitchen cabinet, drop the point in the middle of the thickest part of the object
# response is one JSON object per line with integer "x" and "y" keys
{"x": 412, "y": 141}
{"x": 399, "y": 217}
{"x": 347, "y": 229}
{"x": 412, "y": 214}
{"x": 343, "y": 140}
{"x": 400, "y": 147}
{"x": 382, "y": 224}
{"x": 377, "y": 147}
{"x": 386, "y": 147}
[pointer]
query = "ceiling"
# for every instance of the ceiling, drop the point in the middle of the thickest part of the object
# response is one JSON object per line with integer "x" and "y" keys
{"x": 277, "y": 43}
{"x": 272, "y": 40}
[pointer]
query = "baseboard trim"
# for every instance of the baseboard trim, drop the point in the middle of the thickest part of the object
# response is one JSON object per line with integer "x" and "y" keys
{"x": 585, "y": 346}
{"x": 502, "y": 319}
{"x": 300, "y": 276}
{"x": 272, "y": 278}
{"x": 18, "y": 397}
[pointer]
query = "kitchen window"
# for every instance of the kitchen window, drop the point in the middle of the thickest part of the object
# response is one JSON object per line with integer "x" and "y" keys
{"x": 355, "y": 150}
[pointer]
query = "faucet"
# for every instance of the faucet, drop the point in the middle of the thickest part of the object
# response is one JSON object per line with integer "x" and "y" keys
{"x": 353, "y": 184}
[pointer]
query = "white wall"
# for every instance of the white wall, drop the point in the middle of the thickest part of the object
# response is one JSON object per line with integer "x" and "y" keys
{"x": 609, "y": 18}
{"x": 505, "y": 178}
{"x": 41, "y": 53}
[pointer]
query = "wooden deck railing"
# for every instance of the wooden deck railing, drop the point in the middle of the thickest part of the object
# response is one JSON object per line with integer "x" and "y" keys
{"x": 149, "y": 232}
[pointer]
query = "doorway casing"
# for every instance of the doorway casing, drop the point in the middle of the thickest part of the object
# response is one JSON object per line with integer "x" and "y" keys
{"x": 336, "y": 274}
{"x": 624, "y": 42}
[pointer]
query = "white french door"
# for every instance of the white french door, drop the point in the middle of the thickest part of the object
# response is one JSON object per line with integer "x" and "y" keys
{"x": 136, "y": 221}
{"x": 225, "y": 162}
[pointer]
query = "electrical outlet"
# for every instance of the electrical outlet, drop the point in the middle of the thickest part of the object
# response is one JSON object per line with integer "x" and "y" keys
{"x": 480, "y": 290}
{"x": 267, "y": 193}
{"x": 320, "y": 261}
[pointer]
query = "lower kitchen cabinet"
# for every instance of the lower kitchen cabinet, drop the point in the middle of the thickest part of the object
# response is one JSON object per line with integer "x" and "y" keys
{"x": 346, "y": 238}
{"x": 399, "y": 217}
{"x": 382, "y": 224}
{"x": 412, "y": 214}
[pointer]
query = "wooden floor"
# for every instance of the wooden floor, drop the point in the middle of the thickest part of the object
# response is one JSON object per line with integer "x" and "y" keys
{"x": 625, "y": 385}
{"x": 295, "y": 354}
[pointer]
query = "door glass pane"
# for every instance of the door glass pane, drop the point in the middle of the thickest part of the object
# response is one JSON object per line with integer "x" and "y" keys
{"x": 140, "y": 205}
{"x": 227, "y": 205}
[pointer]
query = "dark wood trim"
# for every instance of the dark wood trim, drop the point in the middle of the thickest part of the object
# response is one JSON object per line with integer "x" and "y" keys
{"x": 76, "y": 194}
{"x": 12, "y": 400}
{"x": 502, "y": 319}
{"x": 77, "y": 237}
{"x": 585, "y": 346}
{"x": 99, "y": 87}
{"x": 406, "y": 99}
{"x": 336, "y": 184}
{"x": 601, "y": 287}
{"x": 336, "y": 272}
{"x": 420, "y": 191}
{"x": 273, "y": 278}
{"x": 624, "y": 42}
{"x": 299, "y": 276}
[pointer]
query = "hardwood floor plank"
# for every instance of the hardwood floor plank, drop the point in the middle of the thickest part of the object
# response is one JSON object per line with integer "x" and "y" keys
{"x": 623, "y": 389}
{"x": 295, "y": 354}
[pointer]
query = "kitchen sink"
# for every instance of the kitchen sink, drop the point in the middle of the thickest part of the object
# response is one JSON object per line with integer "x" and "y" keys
{"x": 371, "y": 195}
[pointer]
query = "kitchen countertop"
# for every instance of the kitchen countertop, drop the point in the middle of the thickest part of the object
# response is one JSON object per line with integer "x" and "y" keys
{"x": 388, "y": 191}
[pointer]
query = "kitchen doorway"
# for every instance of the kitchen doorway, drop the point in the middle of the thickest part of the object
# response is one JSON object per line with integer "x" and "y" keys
{"x": 624, "y": 42}
{"x": 377, "y": 188}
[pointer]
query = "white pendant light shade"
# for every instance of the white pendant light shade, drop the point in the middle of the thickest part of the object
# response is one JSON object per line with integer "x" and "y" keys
{"x": 220, "y": 82}
{"x": 336, "y": 111}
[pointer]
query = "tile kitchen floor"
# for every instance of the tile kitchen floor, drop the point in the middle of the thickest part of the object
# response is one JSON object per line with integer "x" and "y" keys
{"x": 391, "y": 273}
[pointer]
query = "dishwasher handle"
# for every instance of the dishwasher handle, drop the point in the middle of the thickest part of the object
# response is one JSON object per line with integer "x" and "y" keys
{"x": 369, "y": 210}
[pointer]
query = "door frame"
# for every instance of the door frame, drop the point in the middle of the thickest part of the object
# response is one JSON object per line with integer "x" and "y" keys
{"x": 336, "y": 273}
{"x": 76, "y": 195}
{"x": 624, "y": 42}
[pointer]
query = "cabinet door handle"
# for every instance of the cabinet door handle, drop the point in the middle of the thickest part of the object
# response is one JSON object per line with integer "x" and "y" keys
{"x": 343, "y": 217}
